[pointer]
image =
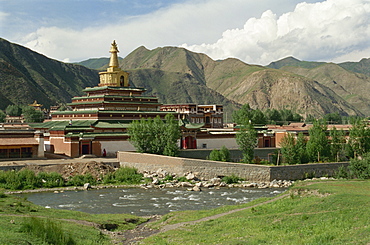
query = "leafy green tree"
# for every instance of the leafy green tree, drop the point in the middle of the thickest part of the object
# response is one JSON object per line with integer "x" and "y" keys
{"x": 317, "y": 146}
{"x": 257, "y": 117}
{"x": 13, "y": 110}
{"x": 359, "y": 138}
{"x": 294, "y": 150}
{"x": 242, "y": 115}
{"x": 288, "y": 149}
{"x": 333, "y": 118}
{"x": 2, "y": 116}
{"x": 32, "y": 115}
{"x": 220, "y": 155}
{"x": 273, "y": 115}
{"x": 171, "y": 135}
{"x": 155, "y": 136}
{"x": 337, "y": 144}
{"x": 246, "y": 138}
{"x": 301, "y": 148}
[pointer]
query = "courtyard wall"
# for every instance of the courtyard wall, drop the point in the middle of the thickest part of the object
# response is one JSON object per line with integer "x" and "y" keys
{"x": 209, "y": 169}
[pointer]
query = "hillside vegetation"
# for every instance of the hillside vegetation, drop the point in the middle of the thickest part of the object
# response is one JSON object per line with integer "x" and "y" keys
{"x": 27, "y": 76}
{"x": 177, "y": 75}
{"x": 261, "y": 87}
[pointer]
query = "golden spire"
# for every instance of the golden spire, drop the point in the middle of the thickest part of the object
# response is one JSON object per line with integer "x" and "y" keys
{"x": 113, "y": 57}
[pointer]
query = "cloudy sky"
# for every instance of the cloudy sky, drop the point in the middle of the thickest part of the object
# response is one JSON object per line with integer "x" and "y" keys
{"x": 255, "y": 31}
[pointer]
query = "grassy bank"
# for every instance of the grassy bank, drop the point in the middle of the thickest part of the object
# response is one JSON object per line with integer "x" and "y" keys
{"x": 331, "y": 212}
{"x": 22, "y": 222}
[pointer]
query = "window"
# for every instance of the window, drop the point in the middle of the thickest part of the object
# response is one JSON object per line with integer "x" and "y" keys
{"x": 204, "y": 146}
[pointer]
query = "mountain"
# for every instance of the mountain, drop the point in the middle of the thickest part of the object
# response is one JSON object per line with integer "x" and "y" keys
{"x": 169, "y": 71}
{"x": 177, "y": 75}
{"x": 27, "y": 76}
{"x": 352, "y": 86}
{"x": 99, "y": 64}
{"x": 363, "y": 66}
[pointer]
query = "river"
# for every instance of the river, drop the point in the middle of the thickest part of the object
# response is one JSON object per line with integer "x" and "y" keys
{"x": 144, "y": 202}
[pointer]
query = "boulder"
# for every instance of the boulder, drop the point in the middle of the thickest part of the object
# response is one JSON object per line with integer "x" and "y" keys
{"x": 87, "y": 186}
{"x": 190, "y": 176}
{"x": 196, "y": 188}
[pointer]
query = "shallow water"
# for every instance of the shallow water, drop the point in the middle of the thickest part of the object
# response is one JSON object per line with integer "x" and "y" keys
{"x": 144, "y": 202}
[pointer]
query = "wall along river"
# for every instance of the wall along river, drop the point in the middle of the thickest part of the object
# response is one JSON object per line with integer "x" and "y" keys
{"x": 145, "y": 202}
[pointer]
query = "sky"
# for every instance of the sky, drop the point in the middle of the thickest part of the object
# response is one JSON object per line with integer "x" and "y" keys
{"x": 254, "y": 31}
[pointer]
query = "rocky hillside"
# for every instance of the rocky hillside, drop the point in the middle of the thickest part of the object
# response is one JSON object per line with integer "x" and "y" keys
{"x": 26, "y": 76}
{"x": 262, "y": 87}
{"x": 177, "y": 75}
{"x": 352, "y": 86}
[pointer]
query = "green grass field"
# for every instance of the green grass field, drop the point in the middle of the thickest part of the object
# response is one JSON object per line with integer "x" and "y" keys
{"x": 331, "y": 212}
{"x": 15, "y": 212}
{"x": 326, "y": 212}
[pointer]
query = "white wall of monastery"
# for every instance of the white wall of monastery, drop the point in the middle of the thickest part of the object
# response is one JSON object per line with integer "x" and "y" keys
{"x": 112, "y": 147}
{"x": 229, "y": 143}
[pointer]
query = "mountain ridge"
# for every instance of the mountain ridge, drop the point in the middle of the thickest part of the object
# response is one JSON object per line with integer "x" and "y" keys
{"x": 177, "y": 75}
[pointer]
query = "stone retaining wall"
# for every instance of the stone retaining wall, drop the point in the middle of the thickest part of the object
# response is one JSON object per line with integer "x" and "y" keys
{"x": 209, "y": 169}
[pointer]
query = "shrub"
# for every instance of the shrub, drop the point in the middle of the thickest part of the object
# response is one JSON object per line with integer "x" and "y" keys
{"x": 182, "y": 179}
{"x": 124, "y": 175}
{"x": 220, "y": 155}
{"x": 80, "y": 180}
{"x": 342, "y": 173}
{"x": 50, "y": 180}
{"x": 360, "y": 168}
{"x": 50, "y": 232}
{"x": 231, "y": 179}
{"x": 19, "y": 180}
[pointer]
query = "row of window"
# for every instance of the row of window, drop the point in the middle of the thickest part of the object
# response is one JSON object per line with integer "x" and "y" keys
{"x": 24, "y": 152}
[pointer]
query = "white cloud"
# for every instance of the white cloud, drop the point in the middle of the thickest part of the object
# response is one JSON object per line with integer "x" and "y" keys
{"x": 193, "y": 21}
{"x": 3, "y": 16}
{"x": 318, "y": 31}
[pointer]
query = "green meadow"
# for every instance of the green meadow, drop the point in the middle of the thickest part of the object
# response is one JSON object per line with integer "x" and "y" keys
{"x": 330, "y": 212}
{"x": 324, "y": 212}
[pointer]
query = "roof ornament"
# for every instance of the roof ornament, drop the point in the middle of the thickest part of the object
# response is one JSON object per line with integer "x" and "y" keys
{"x": 113, "y": 58}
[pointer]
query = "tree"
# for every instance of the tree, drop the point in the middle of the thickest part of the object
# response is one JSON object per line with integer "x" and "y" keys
{"x": 155, "y": 136}
{"x": 242, "y": 115}
{"x": 288, "y": 149}
{"x": 171, "y": 134}
{"x": 333, "y": 118}
{"x": 317, "y": 146}
{"x": 13, "y": 110}
{"x": 257, "y": 117}
{"x": 2, "y": 116}
{"x": 294, "y": 150}
{"x": 32, "y": 115}
{"x": 273, "y": 115}
{"x": 337, "y": 144}
{"x": 359, "y": 138}
{"x": 246, "y": 138}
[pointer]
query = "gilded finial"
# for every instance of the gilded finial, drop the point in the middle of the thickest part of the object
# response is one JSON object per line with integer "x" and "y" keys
{"x": 114, "y": 47}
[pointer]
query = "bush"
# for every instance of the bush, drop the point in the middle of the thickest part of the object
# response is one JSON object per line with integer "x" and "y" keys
{"x": 220, "y": 155}
{"x": 124, "y": 175}
{"x": 231, "y": 179}
{"x": 19, "y": 180}
{"x": 360, "y": 168}
{"x": 80, "y": 180}
{"x": 50, "y": 180}
{"x": 50, "y": 232}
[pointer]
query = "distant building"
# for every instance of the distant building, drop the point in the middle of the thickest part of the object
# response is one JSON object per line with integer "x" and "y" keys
{"x": 210, "y": 115}
{"x": 19, "y": 141}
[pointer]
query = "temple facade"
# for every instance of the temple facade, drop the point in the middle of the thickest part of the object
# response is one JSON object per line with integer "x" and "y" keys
{"x": 98, "y": 121}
